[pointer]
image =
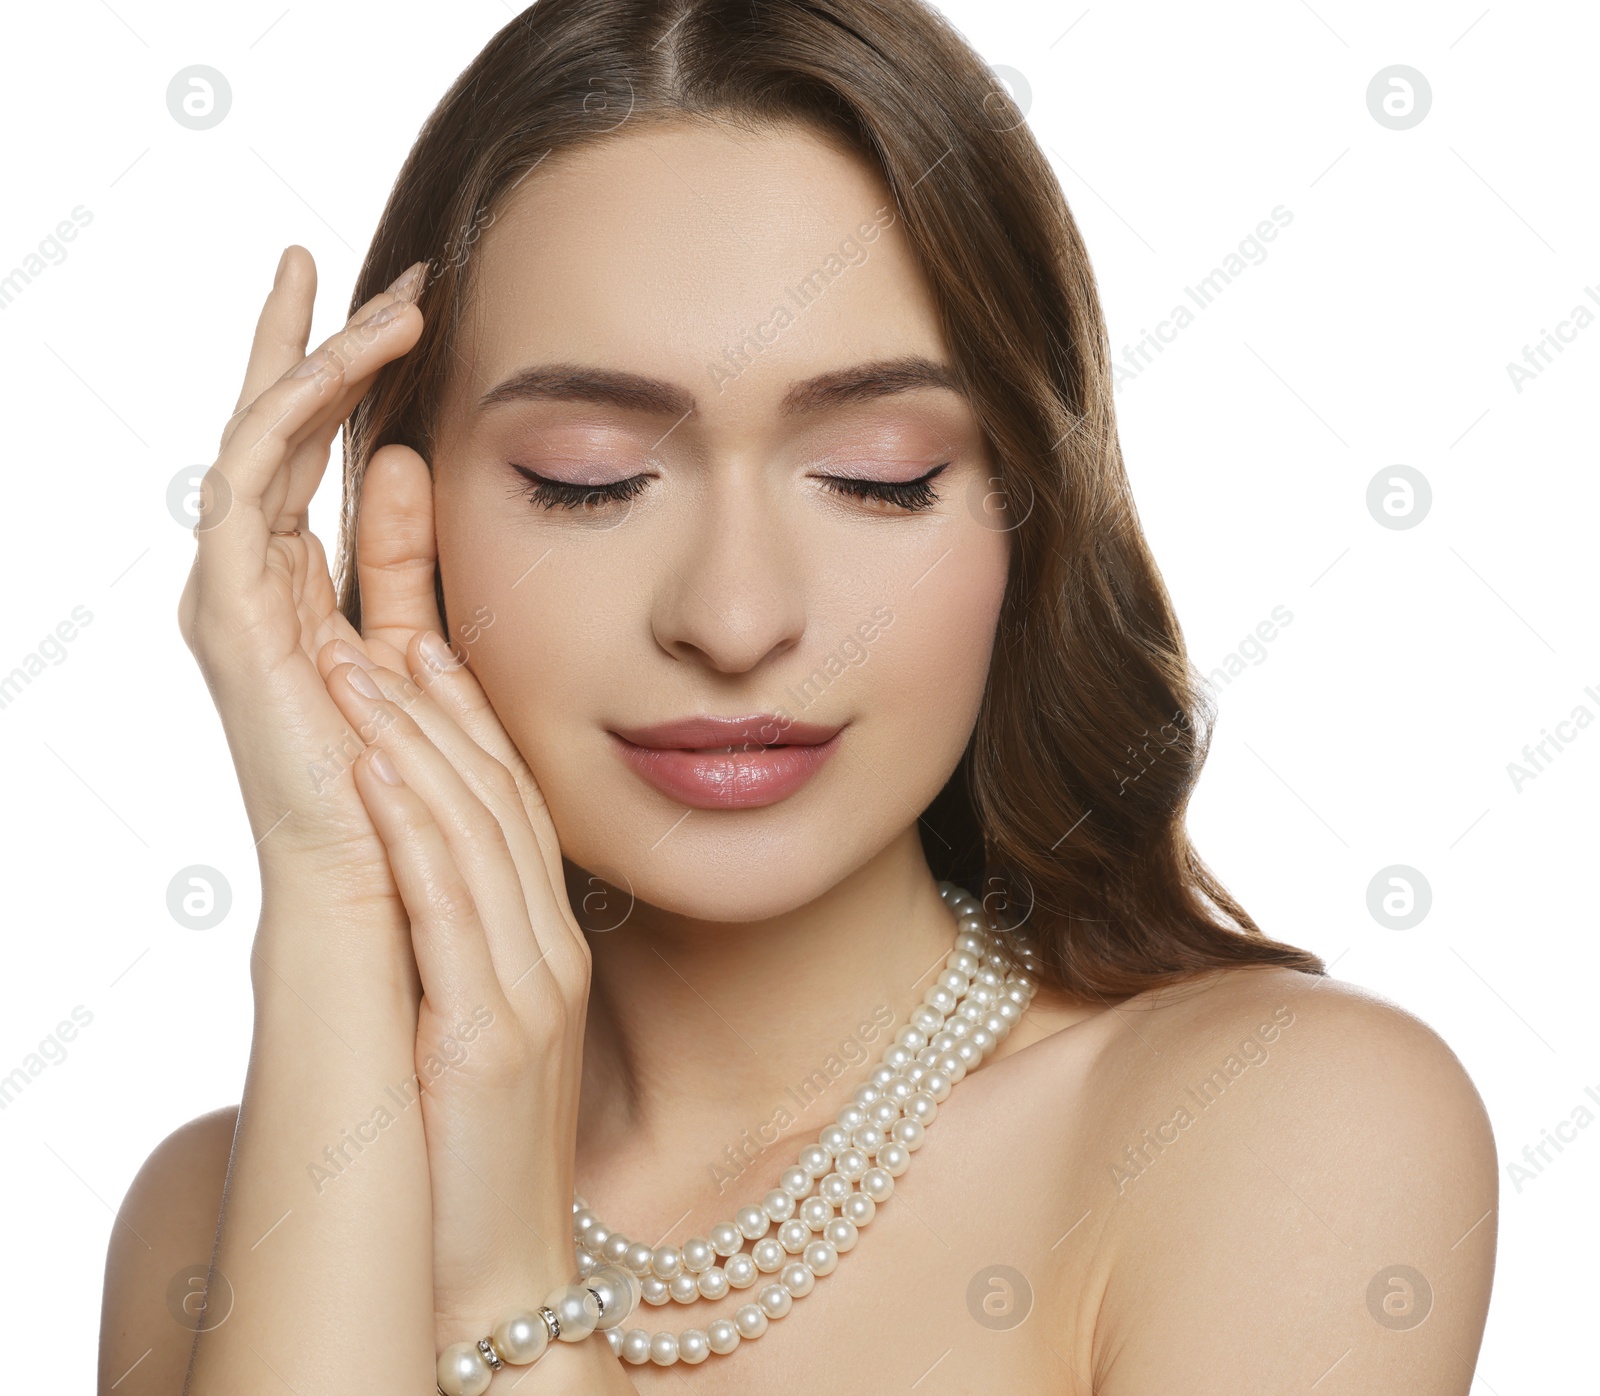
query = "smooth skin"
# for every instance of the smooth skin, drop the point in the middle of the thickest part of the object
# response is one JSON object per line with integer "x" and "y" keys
{"x": 1250, "y": 1246}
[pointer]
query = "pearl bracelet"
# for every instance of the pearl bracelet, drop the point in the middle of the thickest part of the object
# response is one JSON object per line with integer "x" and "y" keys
{"x": 597, "y": 1303}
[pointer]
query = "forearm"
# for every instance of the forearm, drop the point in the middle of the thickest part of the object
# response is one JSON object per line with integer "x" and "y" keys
{"x": 324, "y": 1243}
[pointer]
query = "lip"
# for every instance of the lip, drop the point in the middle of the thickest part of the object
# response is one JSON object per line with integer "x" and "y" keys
{"x": 675, "y": 757}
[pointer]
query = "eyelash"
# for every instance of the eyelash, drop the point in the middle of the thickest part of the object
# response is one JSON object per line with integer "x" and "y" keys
{"x": 911, "y": 495}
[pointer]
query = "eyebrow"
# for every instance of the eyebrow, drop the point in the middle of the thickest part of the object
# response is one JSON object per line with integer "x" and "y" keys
{"x": 637, "y": 393}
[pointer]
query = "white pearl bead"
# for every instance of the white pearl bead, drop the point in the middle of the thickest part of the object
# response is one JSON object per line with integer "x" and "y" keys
{"x": 822, "y": 1257}
{"x": 794, "y": 1236}
{"x": 851, "y": 1164}
{"x": 940, "y": 999}
{"x": 796, "y": 1181}
{"x": 955, "y": 981}
{"x": 666, "y": 1262}
{"x": 714, "y": 1282}
{"x": 984, "y": 1040}
{"x": 685, "y": 1288}
{"x": 849, "y": 1117}
{"x": 865, "y": 1094}
{"x": 596, "y": 1236}
{"x": 878, "y": 1184}
{"x": 937, "y": 1084}
{"x": 816, "y": 1212}
{"x": 911, "y": 1038}
{"x": 697, "y": 1254}
{"x": 615, "y": 1289}
{"x": 970, "y": 1053}
{"x": 778, "y": 1205}
{"x": 797, "y": 1278}
{"x": 834, "y": 1189}
{"x": 741, "y": 1271}
{"x": 816, "y": 1160}
{"x": 775, "y": 1301}
{"x": 868, "y": 1139}
{"x": 842, "y": 1234}
{"x": 909, "y": 1133}
{"x": 664, "y": 1349}
{"x": 723, "y": 1335}
{"x": 900, "y": 1092}
{"x": 636, "y": 1346}
{"x": 639, "y": 1258}
{"x": 575, "y": 1310}
{"x": 520, "y": 1337}
{"x": 614, "y": 1340}
{"x": 753, "y": 1222}
{"x": 894, "y": 1159}
{"x": 957, "y": 1028}
{"x": 588, "y": 1262}
{"x": 726, "y": 1238}
{"x": 926, "y": 1019}
{"x": 578, "y": 1204}
{"x": 897, "y": 1056}
{"x": 768, "y": 1255}
{"x": 834, "y": 1138}
{"x": 923, "y": 1108}
{"x": 693, "y": 1346}
{"x": 462, "y": 1371}
{"x": 750, "y": 1321}
{"x": 655, "y": 1290}
{"x": 582, "y": 1220}
{"x": 882, "y": 1075}
{"x": 616, "y": 1248}
{"x": 859, "y": 1208}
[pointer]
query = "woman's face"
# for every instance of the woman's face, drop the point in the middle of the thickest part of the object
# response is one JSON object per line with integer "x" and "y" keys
{"x": 719, "y": 346}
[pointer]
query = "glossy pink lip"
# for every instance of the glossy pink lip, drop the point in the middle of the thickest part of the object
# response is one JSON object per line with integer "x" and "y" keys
{"x": 680, "y": 758}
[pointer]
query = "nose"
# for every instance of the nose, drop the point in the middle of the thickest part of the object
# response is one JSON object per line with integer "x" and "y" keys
{"x": 731, "y": 593}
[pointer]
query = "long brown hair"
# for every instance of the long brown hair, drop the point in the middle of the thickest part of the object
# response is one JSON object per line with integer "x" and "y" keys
{"x": 1068, "y": 807}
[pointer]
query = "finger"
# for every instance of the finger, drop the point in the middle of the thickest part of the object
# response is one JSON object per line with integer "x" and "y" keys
{"x": 475, "y": 803}
{"x": 284, "y": 325}
{"x": 447, "y": 933}
{"x": 245, "y": 490}
{"x": 437, "y": 669}
{"x": 395, "y": 551}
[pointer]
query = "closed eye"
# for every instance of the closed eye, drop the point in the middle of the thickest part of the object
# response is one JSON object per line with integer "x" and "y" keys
{"x": 565, "y": 494}
{"x": 907, "y": 494}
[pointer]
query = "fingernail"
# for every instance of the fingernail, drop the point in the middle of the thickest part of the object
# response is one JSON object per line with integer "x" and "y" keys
{"x": 407, "y": 284}
{"x": 384, "y": 315}
{"x": 349, "y": 654}
{"x": 315, "y": 364}
{"x": 363, "y": 682}
{"x": 436, "y": 652}
{"x": 383, "y": 767}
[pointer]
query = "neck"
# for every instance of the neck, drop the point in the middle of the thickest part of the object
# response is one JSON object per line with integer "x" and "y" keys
{"x": 717, "y": 1049}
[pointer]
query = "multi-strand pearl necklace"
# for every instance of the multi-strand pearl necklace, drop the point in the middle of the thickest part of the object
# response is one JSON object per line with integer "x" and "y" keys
{"x": 835, "y": 1187}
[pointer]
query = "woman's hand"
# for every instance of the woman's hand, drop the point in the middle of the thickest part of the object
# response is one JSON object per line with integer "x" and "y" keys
{"x": 504, "y": 966}
{"x": 258, "y": 605}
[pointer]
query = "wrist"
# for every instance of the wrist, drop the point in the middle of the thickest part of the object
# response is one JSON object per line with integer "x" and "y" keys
{"x": 532, "y": 1324}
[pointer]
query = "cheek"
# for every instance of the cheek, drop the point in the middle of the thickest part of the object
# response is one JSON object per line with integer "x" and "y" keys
{"x": 936, "y": 650}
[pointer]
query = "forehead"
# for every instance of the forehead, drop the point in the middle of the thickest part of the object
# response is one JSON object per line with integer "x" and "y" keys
{"x": 729, "y": 261}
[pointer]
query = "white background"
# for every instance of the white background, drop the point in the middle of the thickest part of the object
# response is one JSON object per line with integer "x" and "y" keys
{"x": 1376, "y": 730}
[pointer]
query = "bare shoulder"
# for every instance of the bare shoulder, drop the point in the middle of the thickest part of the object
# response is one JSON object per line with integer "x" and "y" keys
{"x": 1298, "y": 1182}
{"x": 159, "y": 1251}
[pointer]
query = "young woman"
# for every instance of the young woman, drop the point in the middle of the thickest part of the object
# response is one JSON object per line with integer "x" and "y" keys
{"x": 748, "y": 710}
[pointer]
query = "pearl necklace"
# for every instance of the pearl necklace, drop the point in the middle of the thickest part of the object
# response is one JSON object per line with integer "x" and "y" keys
{"x": 988, "y": 981}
